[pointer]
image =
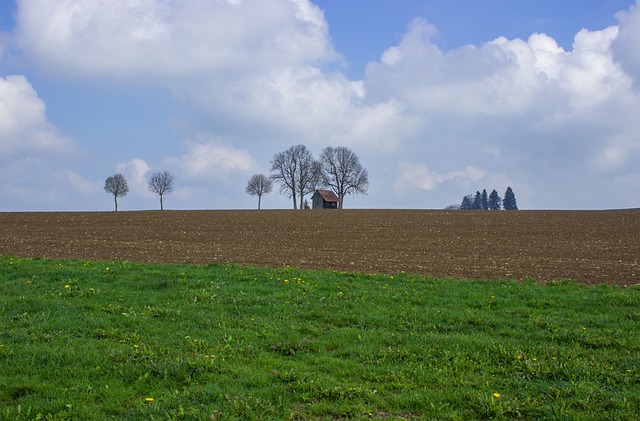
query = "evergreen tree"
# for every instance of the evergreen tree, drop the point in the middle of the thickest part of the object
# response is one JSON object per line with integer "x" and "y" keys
{"x": 494, "y": 200}
{"x": 467, "y": 201}
{"x": 485, "y": 200}
{"x": 509, "y": 201}
{"x": 477, "y": 202}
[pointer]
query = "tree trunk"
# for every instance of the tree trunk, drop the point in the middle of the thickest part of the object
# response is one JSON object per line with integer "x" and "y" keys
{"x": 161, "y": 204}
{"x": 259, "y": 200}
{"x": 116, "y": 200}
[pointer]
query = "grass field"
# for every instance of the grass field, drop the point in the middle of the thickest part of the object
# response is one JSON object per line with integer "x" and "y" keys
{"x": 96, "y": 340}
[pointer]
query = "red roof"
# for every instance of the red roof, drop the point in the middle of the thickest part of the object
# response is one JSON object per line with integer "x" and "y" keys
{"x": 328, "y": 196}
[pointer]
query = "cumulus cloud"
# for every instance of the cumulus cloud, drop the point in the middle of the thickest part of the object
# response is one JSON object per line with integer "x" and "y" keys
{"x": 23, "y": 122}
{"x": 135, "y": 172}
{"x": 150, "y": 38}
{"x": 500, "y": 77}
{"x": 32, "y": 150}
{"x": 420, "y": 176}
{"x": 551, "y": 118}
{"x": 625, "y": 46}
{"x": 209, "y": 157}
{"x": 305, "y": 102}
{"x": 80, "y": 184}
{"x": 254, "y": 73}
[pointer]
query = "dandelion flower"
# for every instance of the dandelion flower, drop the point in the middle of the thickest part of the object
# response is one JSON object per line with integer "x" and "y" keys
{"x": 497, "y": 395}
{"x": 148, "y": 400}
{"x": 66, "y": 286}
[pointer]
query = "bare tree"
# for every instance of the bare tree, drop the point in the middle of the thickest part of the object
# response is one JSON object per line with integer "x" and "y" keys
{"x": 310, "y": 178}
{"x": 161, "y": 183}
{"x": 296, "y": 171}
{"x": 284, "y": 173}
{"x": 259, "y": 185}
{"x": 342, "y": 172}
{"x": 117, "y": 186}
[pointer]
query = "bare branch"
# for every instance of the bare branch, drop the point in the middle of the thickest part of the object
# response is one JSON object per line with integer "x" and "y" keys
{"x": 342, "y": 172}
{"x": 117, "y": 186}
{"x": 296, "y": 172}
{"x": 259, "y": 185}
{"x": 161, "y": 183}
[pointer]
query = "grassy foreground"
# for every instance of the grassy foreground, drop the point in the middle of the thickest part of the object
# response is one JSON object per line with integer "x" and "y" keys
{"x": 95, "y": 340}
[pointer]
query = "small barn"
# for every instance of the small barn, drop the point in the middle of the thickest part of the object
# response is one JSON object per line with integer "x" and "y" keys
{"x": 324, "y": 199}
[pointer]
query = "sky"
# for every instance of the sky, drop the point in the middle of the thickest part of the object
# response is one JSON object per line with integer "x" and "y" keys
{"x": 439, "y": 99}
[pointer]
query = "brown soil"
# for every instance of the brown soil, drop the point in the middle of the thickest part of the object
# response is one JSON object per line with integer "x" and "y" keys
{"x": 584, "y": 246}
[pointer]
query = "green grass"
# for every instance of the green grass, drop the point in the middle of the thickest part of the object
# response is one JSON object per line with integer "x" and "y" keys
{"x": 97, "y": 340}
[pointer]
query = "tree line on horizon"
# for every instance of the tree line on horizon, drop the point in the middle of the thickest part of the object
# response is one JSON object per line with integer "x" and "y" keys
{"x": 298, "y": 174}
{"x": 484, "y": 201}
{"x": 295, "y": 170}
{"x": 160, "y": 183}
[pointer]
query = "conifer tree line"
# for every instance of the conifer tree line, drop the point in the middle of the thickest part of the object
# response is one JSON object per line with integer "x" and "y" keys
{"x": 492, "y": 201}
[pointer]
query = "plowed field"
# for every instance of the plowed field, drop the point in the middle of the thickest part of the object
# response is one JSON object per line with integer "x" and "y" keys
{"x": 584, "y": 246}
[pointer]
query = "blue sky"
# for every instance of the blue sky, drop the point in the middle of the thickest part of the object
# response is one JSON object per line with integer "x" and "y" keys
{"x": 438, "y": 98}
{"x": 361, "y": 29}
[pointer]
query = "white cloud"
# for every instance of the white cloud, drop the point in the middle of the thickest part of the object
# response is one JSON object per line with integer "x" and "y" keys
{"x": 36, "y": 183}
{"x": 23, "y": 122}
{"x": 625, "y": 46}
{"x": 160, "y": 39}
{"x": 208, "y": 157}
{"x": 500, "y": 77}
{"x": 305, "y": 103}
{"x": 80, "y": 184}
{"x": 252, "y": 73}
{"x": 420, "y": 176}
{"x": 32, "y": 151}
{"x": 551, "y": 119}
{"x": 135, "y": 172}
